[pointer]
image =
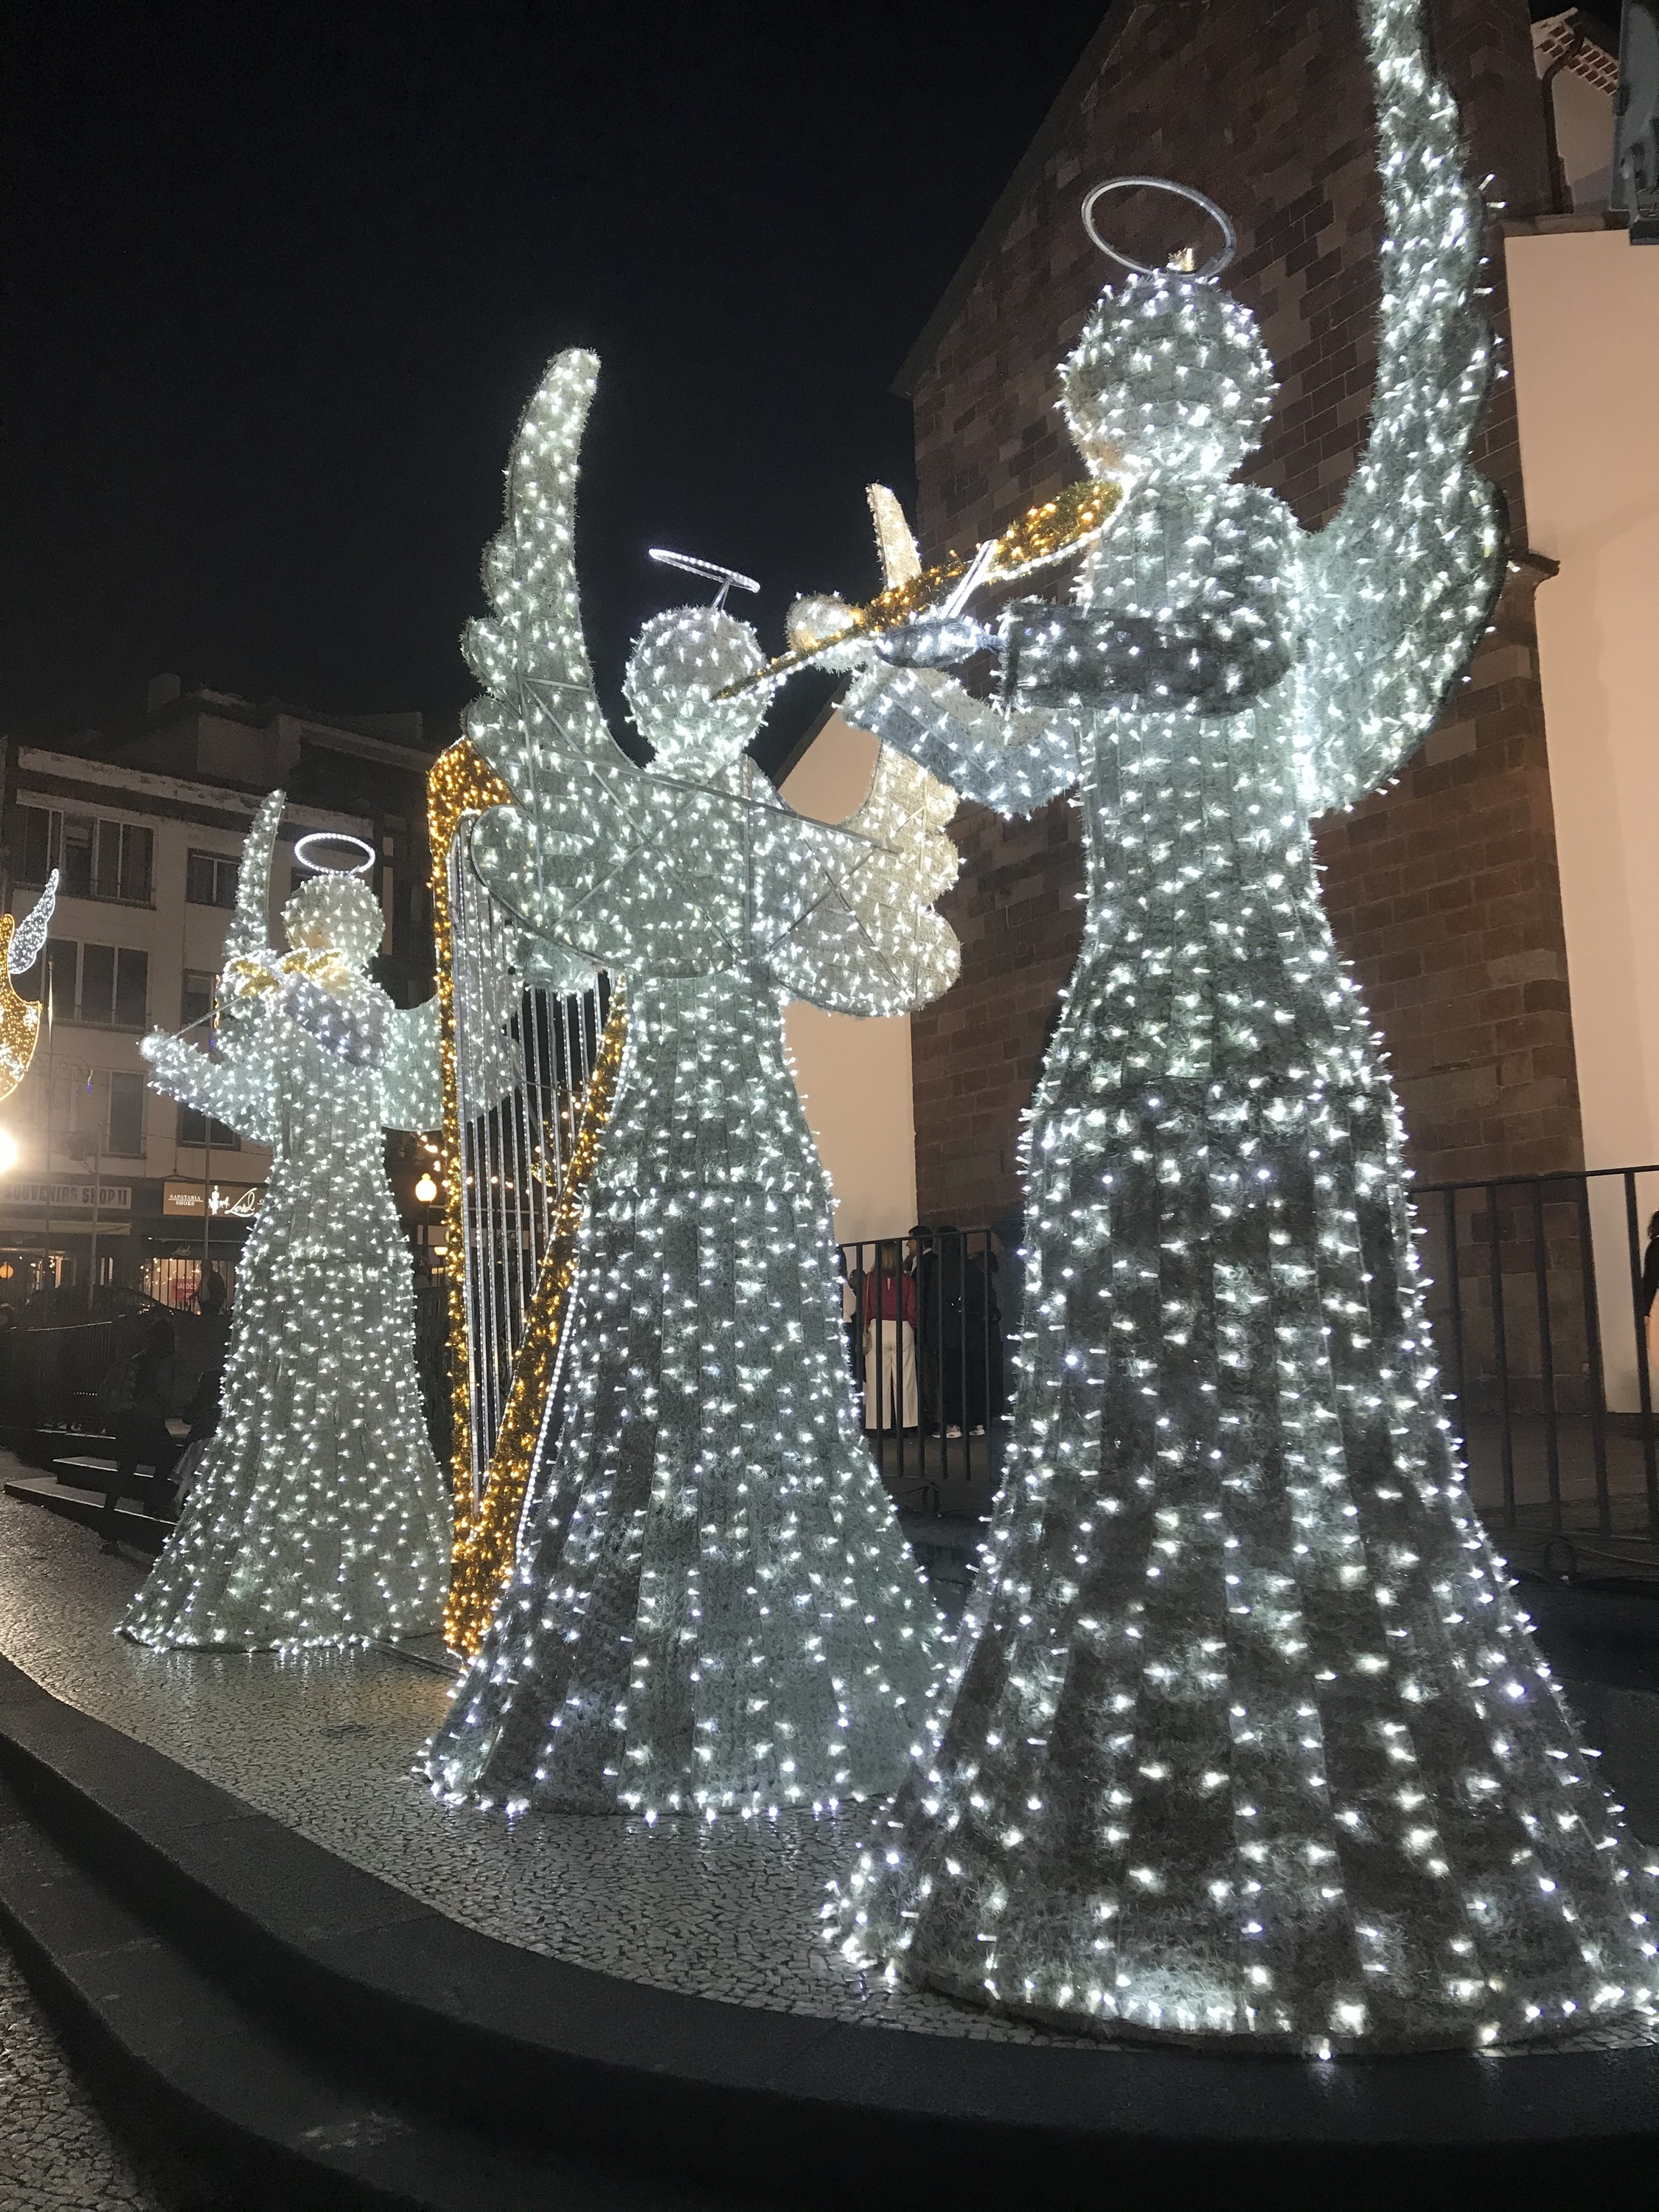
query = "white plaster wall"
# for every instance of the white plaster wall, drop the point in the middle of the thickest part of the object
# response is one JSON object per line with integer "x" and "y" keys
{"x": 1585, "y": 306}
{"x": 853, "y": 1075}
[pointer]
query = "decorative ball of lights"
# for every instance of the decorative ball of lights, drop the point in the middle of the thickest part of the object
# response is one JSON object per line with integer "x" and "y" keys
{"x": 319, "y": 1514}
{"x": 713, "y": 1608}
{"x": 1248, "y": 1740}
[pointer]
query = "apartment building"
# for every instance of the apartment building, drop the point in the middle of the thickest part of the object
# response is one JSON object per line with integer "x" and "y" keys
{"x": 111, "y": 1182}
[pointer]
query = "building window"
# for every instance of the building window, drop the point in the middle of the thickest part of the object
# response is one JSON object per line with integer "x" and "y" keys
{"x": 196, "y": 997}
{"x": 200, "y": 1129}
{"x": 35, "y": 853}
{"x": 124, "y": 853}
{"x": 106, "y": 1114}
{"x": 75, "y": 852}
{"x": 113, "y": 984}
{"x": 97, "y": 859}
{"x": 62, "y": 954}
{"x": 211, "y": 880}
{"x": 126, "y": 1114}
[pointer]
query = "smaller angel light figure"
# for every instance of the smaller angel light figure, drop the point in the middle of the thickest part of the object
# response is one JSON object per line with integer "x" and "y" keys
{"x": 319, "y": 1515}
{"x": 713, "y": 1608}
{"x": 22, "y": 942}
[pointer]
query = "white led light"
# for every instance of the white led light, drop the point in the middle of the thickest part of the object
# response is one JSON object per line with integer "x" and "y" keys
{"x": 713, "y": 1610}
{"x": 1228, "y": 1670}
{"x": 334, "y": 837}
{"x": 319, "y": 1514}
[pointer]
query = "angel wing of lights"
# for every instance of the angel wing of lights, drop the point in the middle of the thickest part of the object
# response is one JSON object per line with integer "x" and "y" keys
{"x": 28, "y": 939}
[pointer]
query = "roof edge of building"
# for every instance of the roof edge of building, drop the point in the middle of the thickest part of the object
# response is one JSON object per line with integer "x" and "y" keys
{"x": 1087, "y": 67}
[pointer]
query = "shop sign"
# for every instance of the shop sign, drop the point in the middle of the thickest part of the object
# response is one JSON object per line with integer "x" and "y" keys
{"x": 240, "y": 1200}
{"x": 107, "y": 1197}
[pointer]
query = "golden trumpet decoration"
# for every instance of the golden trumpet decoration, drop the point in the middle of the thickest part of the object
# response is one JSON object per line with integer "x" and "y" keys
{"x": 1056, "y": 531}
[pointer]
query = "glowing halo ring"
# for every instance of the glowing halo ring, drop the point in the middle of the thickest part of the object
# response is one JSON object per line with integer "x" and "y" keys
{"x": 1216, "y": 261}
{"x": 333, "y": 837}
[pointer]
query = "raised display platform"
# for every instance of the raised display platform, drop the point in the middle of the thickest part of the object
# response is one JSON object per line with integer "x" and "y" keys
{"x": 326, "y": 2031}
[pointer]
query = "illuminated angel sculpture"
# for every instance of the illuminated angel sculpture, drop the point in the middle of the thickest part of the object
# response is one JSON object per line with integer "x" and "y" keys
{"x": 1246, "y": 1738}
{"x": 319, "y": 1514}
{"x": 22, "y": 942}
{"x": 713, "y": 1608}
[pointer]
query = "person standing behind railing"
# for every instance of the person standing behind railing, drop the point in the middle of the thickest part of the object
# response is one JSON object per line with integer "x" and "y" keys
{"x": 141, "y": 1394}
{"x": 888, "y": 1305}
{"x": 1651, "y": 1290}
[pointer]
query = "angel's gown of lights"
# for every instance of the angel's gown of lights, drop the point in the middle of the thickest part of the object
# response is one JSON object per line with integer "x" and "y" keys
{"x": 713, "y": 1608}
{"x": 319, "y": 1514}
{"x": 1250, "y": 1739}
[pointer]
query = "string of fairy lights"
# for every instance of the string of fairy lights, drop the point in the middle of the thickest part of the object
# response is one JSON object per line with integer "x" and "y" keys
{"x": 712, "y": 1610}
{"x": 1244, "y": 1738}
{"x": 1247, "y": 1739}
{"x": 319, "y": 1514}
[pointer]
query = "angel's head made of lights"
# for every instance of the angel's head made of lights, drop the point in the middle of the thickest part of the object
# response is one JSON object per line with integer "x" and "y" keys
{"x": 335, "y": 912}
{"x": 681, "y": 661}
{"x": 1169, "y": 374}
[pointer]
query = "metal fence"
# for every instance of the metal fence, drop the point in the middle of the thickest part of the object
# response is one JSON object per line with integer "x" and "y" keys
{"x": 1541, "y": 1325}
{"x": 50, "y": 1376}
{"x": 926, "y": 1343}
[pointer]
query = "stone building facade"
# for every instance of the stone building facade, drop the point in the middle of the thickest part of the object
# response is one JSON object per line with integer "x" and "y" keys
{"x": 1442, "y": 890}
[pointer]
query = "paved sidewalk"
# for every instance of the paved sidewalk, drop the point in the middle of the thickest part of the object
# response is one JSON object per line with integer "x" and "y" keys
{"x": 56, "y": 2153}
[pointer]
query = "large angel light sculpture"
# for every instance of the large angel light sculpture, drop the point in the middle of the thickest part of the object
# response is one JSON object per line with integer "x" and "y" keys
{"x": 319, "y": 1514}
{"x": 713, "y": 1608}
{"x": 1248, "y": 1739}
{"x": 21, "y": 942}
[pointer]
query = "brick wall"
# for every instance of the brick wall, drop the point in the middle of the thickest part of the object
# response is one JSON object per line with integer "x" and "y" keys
{"x": 1442, "y": 890}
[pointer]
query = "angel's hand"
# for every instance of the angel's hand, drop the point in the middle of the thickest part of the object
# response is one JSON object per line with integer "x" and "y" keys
{"x": 939, "y": 641}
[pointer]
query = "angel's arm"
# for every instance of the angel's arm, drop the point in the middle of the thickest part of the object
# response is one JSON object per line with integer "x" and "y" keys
{"x": 1398, "y": 587}
{"x": 412, "y": 1074}
{"x": 236, "y": 1090}
{"x": 846, "y": 920}
{"x": 1013, "y": 760}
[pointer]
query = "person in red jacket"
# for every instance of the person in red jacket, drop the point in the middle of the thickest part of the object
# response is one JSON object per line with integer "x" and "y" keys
{"x": 888, "y": 1303}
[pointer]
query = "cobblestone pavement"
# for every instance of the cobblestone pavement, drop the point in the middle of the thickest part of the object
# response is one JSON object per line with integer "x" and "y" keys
{"x": 56, "y": 2153}
{"x": 326, "y": 1742}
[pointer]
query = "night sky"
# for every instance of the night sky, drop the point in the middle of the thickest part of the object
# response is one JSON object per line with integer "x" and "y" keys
{"x": 277, "y": 281}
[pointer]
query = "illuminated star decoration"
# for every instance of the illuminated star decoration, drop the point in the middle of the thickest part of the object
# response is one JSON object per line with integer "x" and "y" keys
{"x": 1248, "y": 1740}
{"x": 22, "y": 943}
{"x": 713, "y": 1609}
{"x": 319, "y": 1514}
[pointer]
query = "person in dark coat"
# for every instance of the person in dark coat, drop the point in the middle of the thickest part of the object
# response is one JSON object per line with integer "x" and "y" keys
{"x": 153, "y": 1389}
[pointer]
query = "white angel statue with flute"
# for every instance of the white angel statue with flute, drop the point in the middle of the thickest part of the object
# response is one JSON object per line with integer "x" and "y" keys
{"x": 319, "y": 1514}
{"x": 713, "y": 1609}
{"x": 1248, "y": 1742}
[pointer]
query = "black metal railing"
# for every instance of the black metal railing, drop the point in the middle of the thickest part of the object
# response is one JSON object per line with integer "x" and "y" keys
{"x": 50, "y": 1377}
{"x": 926, "y": 1342}
{"x": 1536, "y": 1294}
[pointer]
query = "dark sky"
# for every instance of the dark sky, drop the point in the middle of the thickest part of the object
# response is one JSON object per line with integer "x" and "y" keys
{"x": 277, "y": 280}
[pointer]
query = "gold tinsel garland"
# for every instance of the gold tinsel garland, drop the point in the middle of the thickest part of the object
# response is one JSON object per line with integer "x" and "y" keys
{"x": 20, "y": 1018}
{"x": 483, "y": 1558}
{"x": 459, "y": 783}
